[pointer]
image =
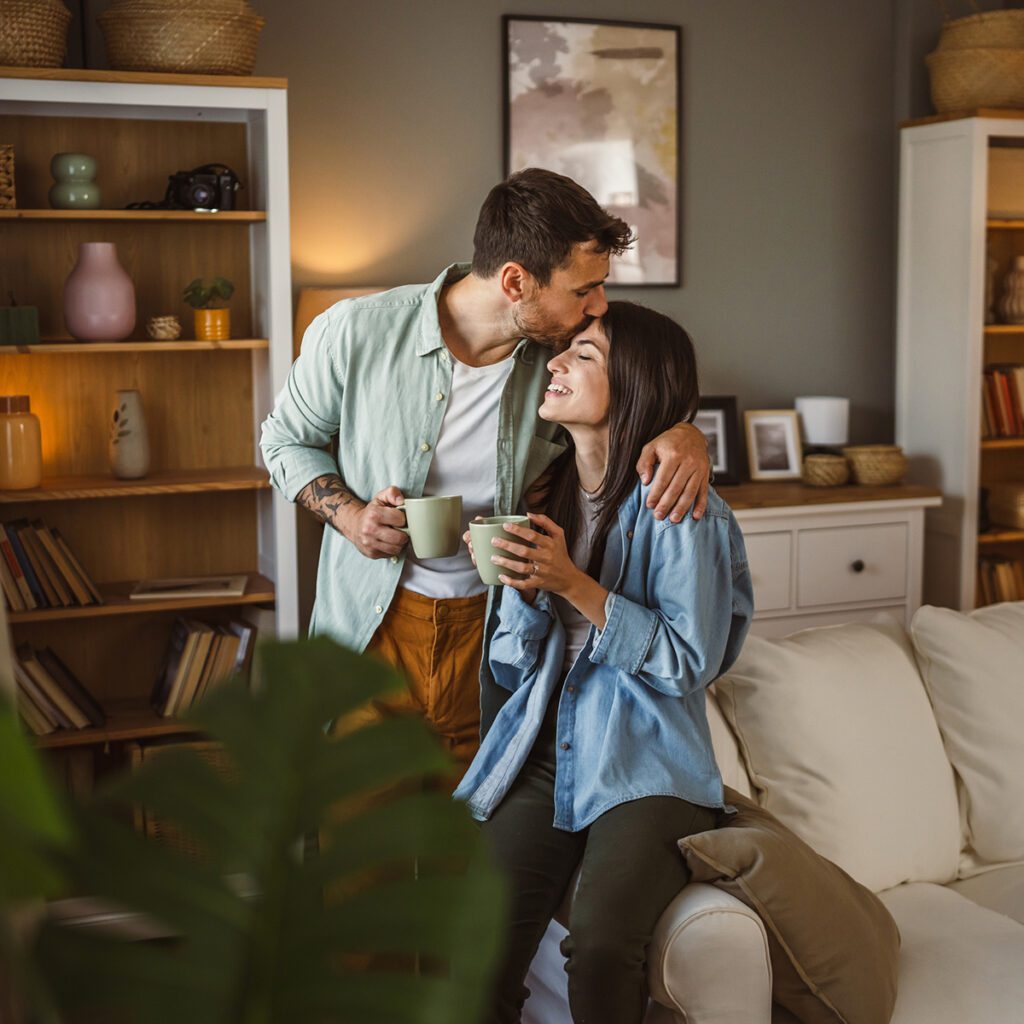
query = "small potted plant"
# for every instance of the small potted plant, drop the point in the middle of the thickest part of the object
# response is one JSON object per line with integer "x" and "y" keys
{"x": 213, "y": 323}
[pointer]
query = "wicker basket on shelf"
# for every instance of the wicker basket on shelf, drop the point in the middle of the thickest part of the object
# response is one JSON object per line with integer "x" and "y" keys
{"x": 1002, "y": 30}
{"x": 825, "y": 470}
{"x": 7, "y": 196}
{"x": 199, "y": 37}
{"x": 876, "y": 465}
{"x": 33, "y": 33}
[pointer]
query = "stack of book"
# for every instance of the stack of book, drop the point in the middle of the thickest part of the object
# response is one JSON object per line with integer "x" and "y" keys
{"x": 39, "y": 570}
{"x": 1000, "y": 579}
{"x": 1002, "y": 402}
{"x": 49, "y": 695}
{"x": 200, "y": 657}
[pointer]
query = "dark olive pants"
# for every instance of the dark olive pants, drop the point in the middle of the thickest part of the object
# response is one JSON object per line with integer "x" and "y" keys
{"x": 631, "y": 870}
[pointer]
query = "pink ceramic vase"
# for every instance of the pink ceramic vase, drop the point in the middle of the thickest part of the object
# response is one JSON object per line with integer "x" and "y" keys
{"x": 99, "y": 297}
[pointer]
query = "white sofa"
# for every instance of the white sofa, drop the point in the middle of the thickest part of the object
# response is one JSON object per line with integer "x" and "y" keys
{"x": 901, "y": 758}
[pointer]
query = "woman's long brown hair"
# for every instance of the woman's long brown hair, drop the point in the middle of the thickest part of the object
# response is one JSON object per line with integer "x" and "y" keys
{"x": 652, "y": 383}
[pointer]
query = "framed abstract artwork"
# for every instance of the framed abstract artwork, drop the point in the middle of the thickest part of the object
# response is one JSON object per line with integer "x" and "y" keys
{"x": 716, "y": 419}
{"x": 600, "y": 101}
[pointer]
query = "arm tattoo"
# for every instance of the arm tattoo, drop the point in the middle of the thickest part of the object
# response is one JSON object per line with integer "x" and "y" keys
{"x": 325, "y": 497}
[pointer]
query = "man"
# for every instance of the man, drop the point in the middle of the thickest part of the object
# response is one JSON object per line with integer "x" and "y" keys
{"x": 434, "y": 389}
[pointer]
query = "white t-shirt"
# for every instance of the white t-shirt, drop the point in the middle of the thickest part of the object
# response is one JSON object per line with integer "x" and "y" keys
{"x": 577, "y": 625}
{"x": 465, "y": 462}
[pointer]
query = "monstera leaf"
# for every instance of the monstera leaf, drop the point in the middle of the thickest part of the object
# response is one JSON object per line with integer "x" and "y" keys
{"x": 395, "y": 919}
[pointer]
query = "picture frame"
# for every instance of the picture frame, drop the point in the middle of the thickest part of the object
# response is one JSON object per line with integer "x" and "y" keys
{"x": 717, "y": 420}
{"x": 773, "y": 444}
{"x": 601, "y": 102}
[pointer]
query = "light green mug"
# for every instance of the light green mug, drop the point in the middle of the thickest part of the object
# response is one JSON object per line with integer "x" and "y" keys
{"x": 481, "y": 531}
{"x": 434, "y": 525}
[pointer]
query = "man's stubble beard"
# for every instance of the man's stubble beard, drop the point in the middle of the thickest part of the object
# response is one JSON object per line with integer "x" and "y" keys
{"x": 545, "y": 330}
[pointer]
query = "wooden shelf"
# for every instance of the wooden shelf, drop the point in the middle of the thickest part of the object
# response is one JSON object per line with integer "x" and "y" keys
{"x": 191, "y": 216}
{"x": 1004, "y": 224}
{"x": 259, "y": 590}
{"x": 1000, "y": 536}
{"x": 142, "y": 78}
{"x": 1002, "y": 443}
{"x": 787, "y": 493}
{"x": 126, "y": 720}
{"x": 92, "y": 348}
{"x": 991, "y": 329}
{"x": 241, "y": 478}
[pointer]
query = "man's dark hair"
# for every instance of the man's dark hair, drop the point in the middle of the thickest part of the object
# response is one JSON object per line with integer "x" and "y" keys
{"x": 535, "y": 217}
{"x": 652, "y": 386}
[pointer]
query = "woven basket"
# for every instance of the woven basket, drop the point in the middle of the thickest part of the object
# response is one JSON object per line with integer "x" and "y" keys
{"x": 999, "y": 30}
{"x": 152, "y": 825}
{"x": 7, "y": 197}
{"x": 199, "y": 37}
{"x": 967, "y": 79}
{"x": 33, "y": 33}
{"x": 825, "y": 470}
{"x": 876, "y": 464}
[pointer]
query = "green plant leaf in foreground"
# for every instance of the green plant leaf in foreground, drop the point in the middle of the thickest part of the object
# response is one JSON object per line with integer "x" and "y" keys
{"x": 396, "y": 920}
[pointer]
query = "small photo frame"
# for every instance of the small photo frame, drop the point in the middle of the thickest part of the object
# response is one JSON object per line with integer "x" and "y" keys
{"x": 717, "y": 420}
{"x": 773, "y": 444}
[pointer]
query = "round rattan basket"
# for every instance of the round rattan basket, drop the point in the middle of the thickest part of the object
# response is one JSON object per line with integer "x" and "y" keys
{"x": 199, "y": 37}
{"x": 964, "y": 80}
{"x": 876, "y": 464}
{"x": 1002, "y": 30}
{"x": 33, "y": 33}
{"x": 825, "y": 470}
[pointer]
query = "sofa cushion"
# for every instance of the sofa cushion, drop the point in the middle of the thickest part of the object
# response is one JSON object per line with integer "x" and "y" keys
{"x": 972, "y": 667}
{"x": 841, "y": 745}
{"x": 1001, "y": 890}
{"x": 727, "y": 753}
{"x": 834, "y": 947}
{"x": 959, "y": 962}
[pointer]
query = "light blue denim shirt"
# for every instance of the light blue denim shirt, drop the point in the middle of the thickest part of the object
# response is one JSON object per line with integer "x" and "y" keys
{"x": 374, "y": 372}
{"x": 631, "y": 717}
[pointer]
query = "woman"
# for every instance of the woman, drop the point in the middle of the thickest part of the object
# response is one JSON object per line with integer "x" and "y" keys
{"x": 601, "y": 756}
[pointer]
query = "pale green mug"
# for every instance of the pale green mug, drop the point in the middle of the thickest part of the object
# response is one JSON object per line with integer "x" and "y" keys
{"x": 481, "y": 531}
{"x": 434, "y": 525}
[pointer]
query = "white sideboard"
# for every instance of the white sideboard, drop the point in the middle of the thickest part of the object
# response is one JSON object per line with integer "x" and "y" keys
{"x": 820, "y": 556}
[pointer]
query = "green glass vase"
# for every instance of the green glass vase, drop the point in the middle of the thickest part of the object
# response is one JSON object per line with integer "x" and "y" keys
{"x": 75, "y": 187}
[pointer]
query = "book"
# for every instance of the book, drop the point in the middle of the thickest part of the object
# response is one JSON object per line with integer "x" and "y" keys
{"x": 50, "y": 574}
{"x": 199, "y": 666}
{"x": 19, "y": 576}
{"x": 97, "y": 597}
{"x": 28, "y": 541}
{"x": 12, "y": 594}
{"x": 25, "y": 682}
{"x": 246, "y": 633}
{"x": 70, "y": 577}
{"x": 51, "y": 687}
{"x": 189, "y": 586}
{"x": 38, "y": 724}
{"x": 176, "y": 664}
{"x": 70, "y": 684}
{"x": 11, "y": 530}
{"x": 225, "y": 653}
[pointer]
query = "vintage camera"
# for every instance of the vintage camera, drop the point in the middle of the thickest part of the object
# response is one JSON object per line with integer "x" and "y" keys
{"x": 210, "y": 187}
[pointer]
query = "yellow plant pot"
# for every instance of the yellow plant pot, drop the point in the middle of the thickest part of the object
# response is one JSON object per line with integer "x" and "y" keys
{"x": 213, "y": 324}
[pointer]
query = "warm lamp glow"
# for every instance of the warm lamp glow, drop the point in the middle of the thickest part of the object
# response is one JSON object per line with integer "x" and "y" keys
{"x": 313, "y": 301}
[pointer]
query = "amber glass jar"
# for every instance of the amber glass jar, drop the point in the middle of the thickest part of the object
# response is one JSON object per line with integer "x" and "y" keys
{"x": 21, "y": 448}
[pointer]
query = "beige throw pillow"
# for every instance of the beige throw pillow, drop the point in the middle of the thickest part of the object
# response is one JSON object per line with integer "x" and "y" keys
{"x": 842, "y": 746}
{"x": 973, "y": 668}
{"x": 834, "y": 947}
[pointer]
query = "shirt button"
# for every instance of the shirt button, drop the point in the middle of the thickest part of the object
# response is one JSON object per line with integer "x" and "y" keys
{"x": 564, "y": 746}
{"x": 439, "y": 396}
{"x": 424, "y": 447}
{"x": 378, "y": 609}
{"x": 571, "y": 689}
{"x": 629, "y": 534}
{"x": 394, "y": 559}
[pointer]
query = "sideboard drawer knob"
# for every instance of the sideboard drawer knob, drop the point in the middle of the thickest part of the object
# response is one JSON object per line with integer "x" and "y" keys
{"x": 857, "y": 566}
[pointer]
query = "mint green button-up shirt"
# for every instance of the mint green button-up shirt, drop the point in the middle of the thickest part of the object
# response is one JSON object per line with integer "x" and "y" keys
{"x": 375, "y": 373}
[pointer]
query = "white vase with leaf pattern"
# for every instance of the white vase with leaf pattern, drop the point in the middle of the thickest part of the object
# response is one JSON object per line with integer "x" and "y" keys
{"x": 129, "y": 441}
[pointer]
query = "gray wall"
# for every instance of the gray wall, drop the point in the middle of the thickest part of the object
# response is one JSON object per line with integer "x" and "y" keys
{"x": 789, "y": 133}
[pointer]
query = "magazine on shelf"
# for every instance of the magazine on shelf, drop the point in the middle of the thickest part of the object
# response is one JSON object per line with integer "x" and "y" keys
{"x": 189, "y": 586}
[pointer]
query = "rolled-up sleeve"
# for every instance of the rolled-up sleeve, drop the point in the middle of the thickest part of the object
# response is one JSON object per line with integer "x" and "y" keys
{"x": 676, "y": 645}
{"x": 306, "y": 414}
